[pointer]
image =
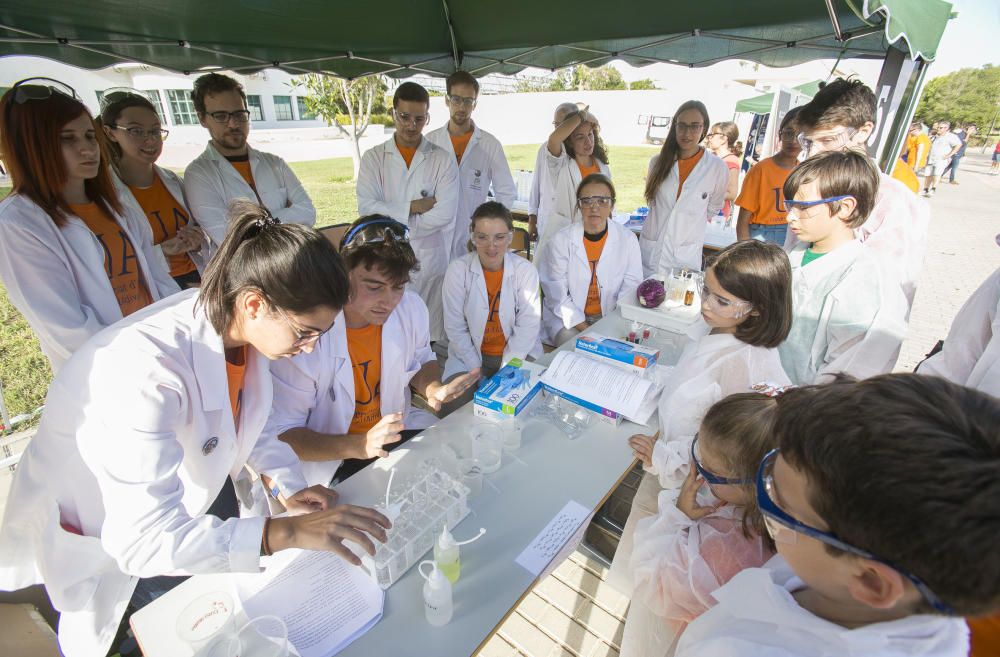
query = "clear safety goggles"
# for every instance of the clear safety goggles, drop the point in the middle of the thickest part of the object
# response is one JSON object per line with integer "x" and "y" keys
{"x": 733, "y": 309}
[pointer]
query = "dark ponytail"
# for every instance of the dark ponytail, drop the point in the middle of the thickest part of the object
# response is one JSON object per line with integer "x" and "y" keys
{"x": 293, "y": 267}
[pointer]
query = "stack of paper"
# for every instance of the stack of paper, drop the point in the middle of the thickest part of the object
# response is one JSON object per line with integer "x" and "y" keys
{"x": 601, "y": 385}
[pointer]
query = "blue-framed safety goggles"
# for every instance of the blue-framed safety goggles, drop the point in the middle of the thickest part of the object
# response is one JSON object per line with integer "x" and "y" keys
{"x": 775, "y": 514}
{"x": 376, "y": 230}
{"x": 787, "y": 205}
{"x": 710, "y": 476}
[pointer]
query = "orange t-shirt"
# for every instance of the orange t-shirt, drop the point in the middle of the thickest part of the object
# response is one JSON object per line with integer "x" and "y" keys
{"x": 761, "y": 193}
{"x": 494, "y": 341}
{"x": 242, "y": 165}
{"x": 684, "y": 168}
{"x": 904, "y": 174}
{"x": 594, "y": 249}
{"x": 985, "y": 636}
{"x": 365, "y": 348}
{"x": 236, "y": 373}
{"x": 922, "y": 144}
{"x": 586, "y": 171}
{"x": 407, "y": 154}
{"x": 458, "y": 142}
{"x": 120, "y": 261}
{"x": 166, "y": 217}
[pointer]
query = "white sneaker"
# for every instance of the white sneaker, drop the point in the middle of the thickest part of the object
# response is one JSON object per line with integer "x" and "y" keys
{"x": 924, "y": 194}
{"x": 930, "y": 192}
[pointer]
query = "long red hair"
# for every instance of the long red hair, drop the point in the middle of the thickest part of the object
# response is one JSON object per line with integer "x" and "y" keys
{"x": 32, "y": 150}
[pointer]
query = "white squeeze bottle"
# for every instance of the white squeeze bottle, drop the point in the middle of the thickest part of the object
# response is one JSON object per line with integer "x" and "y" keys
{"x": 446, "y": 553}
{"x": 437, "y": 595}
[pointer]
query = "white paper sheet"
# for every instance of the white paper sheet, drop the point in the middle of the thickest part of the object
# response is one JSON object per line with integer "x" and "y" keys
{"x": 604, "y": 385}
{"x": 544, "y": 547}
{"x": 325, "y": 602}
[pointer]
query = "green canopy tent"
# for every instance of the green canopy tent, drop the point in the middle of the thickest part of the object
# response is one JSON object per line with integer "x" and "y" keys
{"x": 762, "y": 104}
{"x": 404, "y": 37}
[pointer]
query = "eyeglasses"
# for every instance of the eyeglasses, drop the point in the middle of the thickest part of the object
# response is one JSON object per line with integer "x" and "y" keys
{"x": 462, "y": 101}
{"x": 158, "y": 134}
{"x": 733, "y": 309}
{"x": 302, "y": 338}
{"x": 240, "y": 116}
{"x": 595, "y": 201}
{"x": 25, "y": 91}
{"x": 413, "y": 119}
{"x": 481, "y": 239}
{"x": 714, "y": 134}
{"x": 783, "y": 528}
{"x": 690, "y": 127}
{"x": 710, "y": 476}
{"x": 830, "y": 142}
{"x": 379, "y": 229}
{"x": 788, "y": 206}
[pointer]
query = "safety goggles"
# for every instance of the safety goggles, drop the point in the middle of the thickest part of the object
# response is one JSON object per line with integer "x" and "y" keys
{"x": 710, "y": 476}
{"x": 723, "y": 306}
{"x": 482, "y": 239}
{"x": 783, "y": 528}
{"x": 596, "y": 201}
{"x": 41, "y": 89}
{"x": 789, "y": 205}
{"x": 382, "y": 229}
{"x": 831, "y": 142}
{"x": 461, "y": 101}
{"x": 411, "y": 119}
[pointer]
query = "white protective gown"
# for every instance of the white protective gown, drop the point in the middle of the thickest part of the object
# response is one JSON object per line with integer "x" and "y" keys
{"x": 565, "y": 275}
{"x": 848, "y": 315}
{"x": 56, "y": 276}
{"x": 387, "y": 186}
{"x": 557, "y": 193}
{"x": 674, "y": 232}
{"x": 971, "y": 353}
{"x": 756, "y": 616}
{"x": 211, "y": 183}
{"x": 483, "y": 164}
{"x": 316, "y": 390}
{"x": 136, "y": 443}
{"x": 466, "y": 310}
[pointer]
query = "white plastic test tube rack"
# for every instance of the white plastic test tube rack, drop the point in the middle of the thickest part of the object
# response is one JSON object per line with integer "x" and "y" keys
{"x": 424, "y": 504}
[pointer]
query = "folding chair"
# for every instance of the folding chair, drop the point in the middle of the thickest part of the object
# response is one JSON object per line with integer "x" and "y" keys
{"x": 335, "y": 233}
{"x": 521, "y": 244}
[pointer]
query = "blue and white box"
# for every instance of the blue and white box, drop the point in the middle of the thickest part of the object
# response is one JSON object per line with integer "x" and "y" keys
{"x": 635, "y": 358}
{"x": 508, "y": 392}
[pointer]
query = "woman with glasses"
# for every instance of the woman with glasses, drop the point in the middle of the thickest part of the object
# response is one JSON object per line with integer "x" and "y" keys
{"x": 73, "y": 258}
{"x": 722, "y": 141}
{"x": 127, "y": 486}
{"x": 590, "y": 265}
{"x": 574, "y": 151}
{"x": 492, "y": 309}
{"x": 762, "y": 210}
{"x": 135, "y": 141}
{"x": 685, "y": 188}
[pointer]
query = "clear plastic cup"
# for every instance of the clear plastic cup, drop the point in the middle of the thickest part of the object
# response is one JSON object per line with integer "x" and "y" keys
{"x": 487, "y": 446}
{"x": 264, "y": 636}
{"x": 472, "y": 475}
{"x": 511, "y": 429}
{"x": 208, "y": 619}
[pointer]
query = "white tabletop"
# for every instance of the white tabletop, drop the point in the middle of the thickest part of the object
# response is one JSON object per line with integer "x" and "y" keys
{"x": 548, "y": 471}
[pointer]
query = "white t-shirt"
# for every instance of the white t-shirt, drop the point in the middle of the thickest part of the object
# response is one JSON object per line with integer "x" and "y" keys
{"x": 942, "y": 145}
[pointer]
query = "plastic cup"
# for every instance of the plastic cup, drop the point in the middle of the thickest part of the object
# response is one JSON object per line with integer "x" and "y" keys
{"x": 472, "y": 475}
{"x": 264, "y": 636}
{"x": 208, "y": 619}
{"x": 511, "y": 434}
{"x": 487, "y": 446}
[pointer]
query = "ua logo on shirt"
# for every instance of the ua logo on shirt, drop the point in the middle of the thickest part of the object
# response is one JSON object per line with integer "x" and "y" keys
{"x": 128, "y": 253}
{"x": 372, "y": 394}
{"x": 180, "y": 220}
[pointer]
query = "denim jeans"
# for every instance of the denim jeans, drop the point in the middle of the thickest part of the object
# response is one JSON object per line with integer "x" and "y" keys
{"x": 953, "y": 167}
{"x": 769, "y": 233}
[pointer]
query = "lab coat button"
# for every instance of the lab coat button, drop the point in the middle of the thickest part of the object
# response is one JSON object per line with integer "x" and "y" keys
{"x": 209, "y": 446}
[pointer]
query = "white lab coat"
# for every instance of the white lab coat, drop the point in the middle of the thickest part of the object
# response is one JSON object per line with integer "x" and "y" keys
{"x": 56, "y": 276}
{"x": 674, "y": 232}
{"x": 565, "y": 275}
{"x": 135, "y": 445}
{"x": 895, "y": 231}
{"x": 386, "y": 186}
{"x": 848, "y": 315}
{"x": 482, "y": 163}
{"x": 466, "y": 309}
{"x": 535, "y": 196}
{"x": 316, "y": 390}
{"x": 175, "y": 186}
{"x": 557, "y": 194}
{"x": 211, "y": 182}
{"x": 971, "y": 353}
{"x": 756, "y": 616}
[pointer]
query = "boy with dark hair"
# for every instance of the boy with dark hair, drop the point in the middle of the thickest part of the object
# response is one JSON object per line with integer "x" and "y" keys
{"x": 841, "y": 116}
{"x": 415, "y": 181}
{"x": 882, "y": 501}
{"x": 349, "y": 398}
{"x": 848, "y": 313}
{"x": 229, "y": 168}
{"x": 479, "y": 155}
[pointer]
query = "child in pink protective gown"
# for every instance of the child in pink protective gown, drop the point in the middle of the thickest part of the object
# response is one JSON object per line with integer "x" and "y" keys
{"x": 699, "y": 541}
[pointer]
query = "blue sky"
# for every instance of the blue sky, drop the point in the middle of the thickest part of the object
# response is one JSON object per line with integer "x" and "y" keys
{"x": 971, "y": 39}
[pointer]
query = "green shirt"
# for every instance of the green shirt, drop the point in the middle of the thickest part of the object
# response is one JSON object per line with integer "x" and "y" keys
{"x": 809, "y": 256}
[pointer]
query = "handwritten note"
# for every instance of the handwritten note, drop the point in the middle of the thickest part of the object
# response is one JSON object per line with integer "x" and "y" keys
{"x": 544, "y": 547}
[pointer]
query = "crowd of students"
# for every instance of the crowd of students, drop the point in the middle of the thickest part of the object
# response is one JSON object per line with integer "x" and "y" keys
{"x": 855, "y": 514}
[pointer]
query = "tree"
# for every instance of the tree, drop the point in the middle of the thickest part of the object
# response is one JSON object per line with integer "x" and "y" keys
{"x": 642, "y": 85}
{"x": 968, "y": 95}
{"x": 329, "y": 96}
{"x": 581, "y": 78}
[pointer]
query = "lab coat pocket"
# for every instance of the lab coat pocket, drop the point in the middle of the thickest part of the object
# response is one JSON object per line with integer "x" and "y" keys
{"x": 72, "y": 566}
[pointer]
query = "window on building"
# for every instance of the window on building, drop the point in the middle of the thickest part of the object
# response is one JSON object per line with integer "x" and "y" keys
{"x": 256, "y": 108}
{"x": 154, "y": 97}
{"x": 182, "y": 107}
{"x": 283, "y": 108}
{"x": 304, "y": 113}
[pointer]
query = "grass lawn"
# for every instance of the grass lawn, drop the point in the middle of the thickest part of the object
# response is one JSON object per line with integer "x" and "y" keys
{"x": 25, "y": 373}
